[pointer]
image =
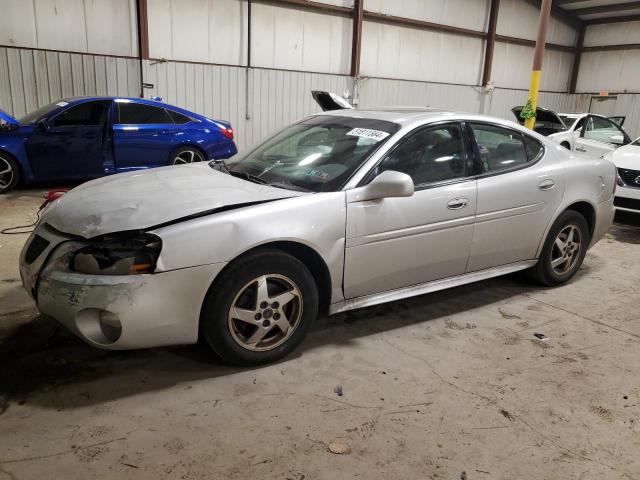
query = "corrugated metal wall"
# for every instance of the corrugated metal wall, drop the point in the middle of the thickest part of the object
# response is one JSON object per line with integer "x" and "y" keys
{"x": 199, "y": 36}
{"x": 616, "y": 71}
{"x": 32, "y": 78}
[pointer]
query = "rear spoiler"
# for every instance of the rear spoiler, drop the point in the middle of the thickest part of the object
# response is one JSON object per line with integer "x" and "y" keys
{"x": 330, "y": 101}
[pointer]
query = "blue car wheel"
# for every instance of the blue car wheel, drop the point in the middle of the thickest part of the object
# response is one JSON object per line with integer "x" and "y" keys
{"x": 9, "y": 173}
{"x": 185, "y": 155}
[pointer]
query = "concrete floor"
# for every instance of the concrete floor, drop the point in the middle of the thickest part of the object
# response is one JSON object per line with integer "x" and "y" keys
{"x": 433, "y": 387}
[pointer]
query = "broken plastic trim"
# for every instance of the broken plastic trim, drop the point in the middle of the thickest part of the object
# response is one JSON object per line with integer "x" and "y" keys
{"x": 133, "y": 252}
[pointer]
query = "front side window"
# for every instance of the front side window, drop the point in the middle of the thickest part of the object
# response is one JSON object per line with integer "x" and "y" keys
{"x": 500, "y": 148}
{"x": 604, "y": 130}
{"x": 318, "y": 154}
{"x": 430, "y": 155}
{"x": 137, "y": 113}
{"x": 85, "y": 114}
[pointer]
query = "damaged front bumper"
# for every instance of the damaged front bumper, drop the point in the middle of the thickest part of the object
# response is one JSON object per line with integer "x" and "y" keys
{"x": 114, "y": 311}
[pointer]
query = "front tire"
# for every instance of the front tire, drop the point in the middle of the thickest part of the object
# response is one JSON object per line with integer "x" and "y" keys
{"x": 259, "y": 309}
{"x": 564, "y": 250}
{"x": 9, "y": 173}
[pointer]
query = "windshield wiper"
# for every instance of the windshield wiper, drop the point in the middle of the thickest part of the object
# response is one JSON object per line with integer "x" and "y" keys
{"x": 221, "y": 165}
{"x": 288, "y": 186}
{"x": 246, "y": 176}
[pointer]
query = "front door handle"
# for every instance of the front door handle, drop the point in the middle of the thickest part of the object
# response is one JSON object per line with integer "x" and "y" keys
{"x": 457, "y": 203}
{"x": 546, "y": 185}
{"x": 580, "y": 149}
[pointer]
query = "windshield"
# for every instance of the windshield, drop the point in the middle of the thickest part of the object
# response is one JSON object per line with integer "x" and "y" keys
{"x": 41, "y": 112}
{"x": 318, "y": 154}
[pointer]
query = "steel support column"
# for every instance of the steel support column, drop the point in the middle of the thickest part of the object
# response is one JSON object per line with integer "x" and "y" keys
{"x": 356, "y": 41}
{"x": 538, "y": 58}
{"x": 491, "y": 42}
{"x": 143, "y": 38}
{"x": 577, "y": 57}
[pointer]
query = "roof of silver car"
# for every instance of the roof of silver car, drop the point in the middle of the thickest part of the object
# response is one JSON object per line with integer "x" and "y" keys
{"x": 408, "y": 116}
{"x": 391, "y": 114}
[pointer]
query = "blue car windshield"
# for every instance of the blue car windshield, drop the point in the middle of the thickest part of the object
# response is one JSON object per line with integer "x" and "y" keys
{"x": 318, "y": 154}
{"x": 36, "y": 115}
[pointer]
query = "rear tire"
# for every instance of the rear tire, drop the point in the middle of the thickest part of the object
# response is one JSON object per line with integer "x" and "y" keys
{"x": 564, "y": 250}
{"x": 259, "y": 309}
{"x": 9, "y": 173}
{"x": 184, "y": 155}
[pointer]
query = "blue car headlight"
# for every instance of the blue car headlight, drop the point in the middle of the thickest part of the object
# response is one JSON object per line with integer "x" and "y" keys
{"x": 118, "y": 255}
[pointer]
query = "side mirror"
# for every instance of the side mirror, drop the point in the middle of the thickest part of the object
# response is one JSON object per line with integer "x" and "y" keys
{"x": 43, "y": 124}
{"x": 617, "y": 139}
{"x": 386, "y": 185}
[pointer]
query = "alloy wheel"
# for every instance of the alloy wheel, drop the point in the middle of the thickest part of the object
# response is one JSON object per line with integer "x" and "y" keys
{"x": 265, "y": 312}
{"x": 187, "y": 156}
{"x": 566, "y": 249}
{"x": 6, "y": 173}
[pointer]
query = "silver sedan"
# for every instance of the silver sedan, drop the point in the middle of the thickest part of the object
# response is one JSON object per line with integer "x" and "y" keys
{"x": 342, "y": 210}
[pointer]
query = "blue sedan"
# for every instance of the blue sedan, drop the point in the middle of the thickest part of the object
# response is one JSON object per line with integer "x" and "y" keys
{"x": 84, "y": 138}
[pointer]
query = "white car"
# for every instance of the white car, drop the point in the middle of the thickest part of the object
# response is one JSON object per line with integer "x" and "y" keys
{"x": 627, "y": 161}
{"x": 339, "y": 211}
{"x": 588, "y": 133}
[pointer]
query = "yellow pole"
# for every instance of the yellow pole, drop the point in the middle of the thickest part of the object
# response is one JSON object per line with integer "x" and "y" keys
{"x": 538, "y": 57}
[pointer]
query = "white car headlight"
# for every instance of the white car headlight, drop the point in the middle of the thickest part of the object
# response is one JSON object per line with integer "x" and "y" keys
{"x": 118, "y": 255}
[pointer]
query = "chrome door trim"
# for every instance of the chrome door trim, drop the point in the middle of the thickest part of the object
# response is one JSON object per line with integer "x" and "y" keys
{"x": 409, "y": 231}
{"x": 434, "y": 286}
{"x": 508, "y": 212}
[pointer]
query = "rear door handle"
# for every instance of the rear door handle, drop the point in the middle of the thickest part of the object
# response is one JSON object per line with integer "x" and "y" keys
{"x": 457, "y": 203}
{"x": 546, "y": 185}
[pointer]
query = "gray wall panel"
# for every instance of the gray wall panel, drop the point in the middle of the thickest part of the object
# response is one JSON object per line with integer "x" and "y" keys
{"x": 30, "y": 79}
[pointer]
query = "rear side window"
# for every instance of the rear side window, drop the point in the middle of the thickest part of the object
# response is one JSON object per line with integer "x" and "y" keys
{"x": 533, "y": 147}
{"x": 178, "y": 118}
{"x": 137, "y": 113}
{"x": 499, "y": 148}
{"x": 85, "y": 114}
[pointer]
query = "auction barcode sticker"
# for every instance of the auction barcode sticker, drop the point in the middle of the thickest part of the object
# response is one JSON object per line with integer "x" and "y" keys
{"x": 368, "y": 133}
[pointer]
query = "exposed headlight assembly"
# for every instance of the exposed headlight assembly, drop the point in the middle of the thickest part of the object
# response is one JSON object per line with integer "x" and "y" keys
{"x": 118, "y": 255}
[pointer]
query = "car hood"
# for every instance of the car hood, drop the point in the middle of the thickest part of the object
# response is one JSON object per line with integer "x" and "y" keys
{"x": 150, "y": 198}
{"x": 627, "y": 157}
{"x": 5, "y": 117}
